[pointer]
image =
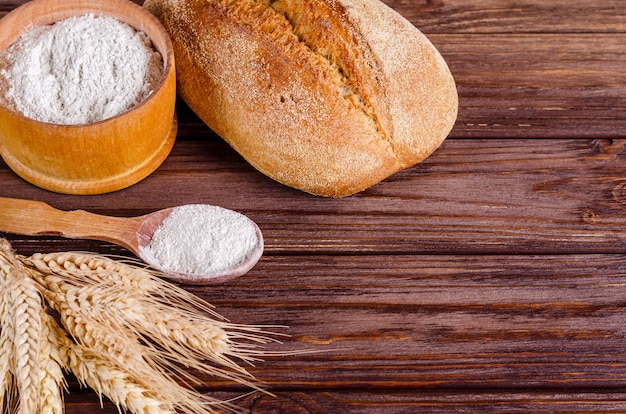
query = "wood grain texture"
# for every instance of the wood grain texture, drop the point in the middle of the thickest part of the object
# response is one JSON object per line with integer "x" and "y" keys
{"x": 538, "y": 85}
{"x": 490, "y": 278}
{"x": 406, "y": 402}
{"x": 470, "y": 197}
{"x": 431, "y": 322}
{"x": 514, "y": 17}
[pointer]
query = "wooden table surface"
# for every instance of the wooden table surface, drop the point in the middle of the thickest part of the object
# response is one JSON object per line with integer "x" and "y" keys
{"x": 489, "y": 278}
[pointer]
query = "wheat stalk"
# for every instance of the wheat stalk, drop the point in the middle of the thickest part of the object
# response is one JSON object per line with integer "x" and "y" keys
{"x": 52, "y": 362}
{"x": 92, "y": 370}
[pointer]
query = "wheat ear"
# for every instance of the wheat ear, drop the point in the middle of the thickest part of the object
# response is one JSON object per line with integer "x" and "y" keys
{"x": 6, "y": 328}
{"x": 166, "y": 313}
{"x": 32, "y": 360}
{"x": 51, "y": 362}
{"x": 94, "y": 268}
{"x": 94, "y": 312}
{"x": 114, "y": 384}
{"x": 27, "y": 311}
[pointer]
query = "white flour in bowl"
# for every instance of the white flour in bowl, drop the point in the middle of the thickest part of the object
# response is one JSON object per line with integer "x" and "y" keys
{"x": 201, "y": 239}
{"x": 79, "y": 70}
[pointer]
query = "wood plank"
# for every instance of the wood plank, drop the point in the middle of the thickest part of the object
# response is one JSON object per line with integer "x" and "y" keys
{"x": 470, "y": 197}
{"x": 434, "y": 323}
{"x": 513, "y": 16}
{"x": 407, "y": 402}
{"x": 8, "y": 5}
{"x": 538, "y": 86}
{"x": 388, "y": 403}
{"x": 431, "y": 325}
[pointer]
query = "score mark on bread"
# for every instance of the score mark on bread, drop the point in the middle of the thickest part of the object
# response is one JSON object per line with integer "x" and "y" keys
{"x": 326, "y": 96}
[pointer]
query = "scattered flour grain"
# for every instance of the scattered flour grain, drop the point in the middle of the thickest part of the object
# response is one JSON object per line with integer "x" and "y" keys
{"x": 200, "y": 239}
{"x": 79, "y": 70}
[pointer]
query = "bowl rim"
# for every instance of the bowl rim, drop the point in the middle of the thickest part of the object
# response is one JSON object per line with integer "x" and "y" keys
{"x": 168, "y": 57}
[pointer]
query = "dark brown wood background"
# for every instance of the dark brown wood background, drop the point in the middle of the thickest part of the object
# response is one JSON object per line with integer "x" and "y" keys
{"x": 489, "y": 278}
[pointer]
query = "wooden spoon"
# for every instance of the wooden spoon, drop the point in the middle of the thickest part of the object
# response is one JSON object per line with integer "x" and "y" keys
{"x": 35, "y": 218}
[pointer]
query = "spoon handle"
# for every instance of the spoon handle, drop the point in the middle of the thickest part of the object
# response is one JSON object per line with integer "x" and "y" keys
{"x": 36, "y": 218}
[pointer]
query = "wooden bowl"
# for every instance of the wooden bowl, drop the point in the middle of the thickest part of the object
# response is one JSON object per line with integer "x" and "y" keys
{"x": 102, "y": 156}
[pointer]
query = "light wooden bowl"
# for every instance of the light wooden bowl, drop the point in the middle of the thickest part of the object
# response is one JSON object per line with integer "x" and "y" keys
{"x": 102, "y": 156}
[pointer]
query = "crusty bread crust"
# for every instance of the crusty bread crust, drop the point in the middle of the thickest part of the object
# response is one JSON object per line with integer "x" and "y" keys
{"x": 326, "y": 96}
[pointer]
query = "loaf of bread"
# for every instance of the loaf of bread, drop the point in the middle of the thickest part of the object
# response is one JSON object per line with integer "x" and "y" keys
{"x": 326, "y": 96}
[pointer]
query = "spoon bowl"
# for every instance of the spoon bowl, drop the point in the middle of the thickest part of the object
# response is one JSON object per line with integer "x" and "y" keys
{"x": 35, "y": 218}
{"x": 145, "y": 233}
